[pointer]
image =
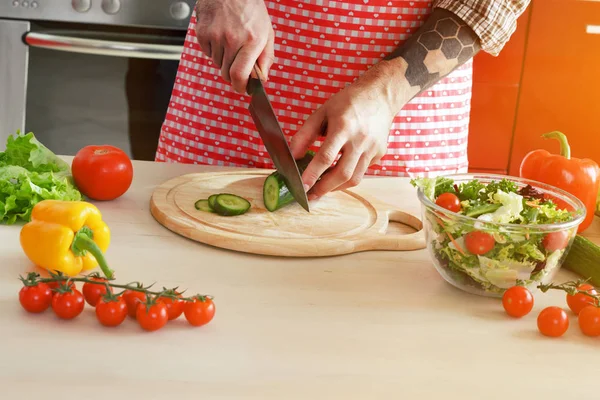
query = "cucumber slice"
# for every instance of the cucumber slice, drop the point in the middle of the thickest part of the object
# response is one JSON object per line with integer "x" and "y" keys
{"x": 229, "y": 204}
{"x": 211, "y": 201}
{"x": 203, "y": 205}
{"x": 275, "y": 192}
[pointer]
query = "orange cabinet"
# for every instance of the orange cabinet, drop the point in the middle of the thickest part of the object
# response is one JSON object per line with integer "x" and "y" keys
{"x": 560, "y": 89}
{"x": 496, "y": 83}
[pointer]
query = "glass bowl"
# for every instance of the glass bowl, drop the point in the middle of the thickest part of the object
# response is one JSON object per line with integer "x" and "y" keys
{"x": 522, "y": 254}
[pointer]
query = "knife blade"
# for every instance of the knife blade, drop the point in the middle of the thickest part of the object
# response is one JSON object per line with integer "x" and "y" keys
{"x": 270, "y": 131}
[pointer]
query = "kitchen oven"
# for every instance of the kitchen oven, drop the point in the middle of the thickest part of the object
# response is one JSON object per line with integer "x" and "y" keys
{"x": 89, "y": 71}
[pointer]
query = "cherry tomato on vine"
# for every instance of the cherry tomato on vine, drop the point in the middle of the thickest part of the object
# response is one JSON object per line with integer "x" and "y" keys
{"x": 449, "y": 201}
{"x": 556, "y": 240}
{"x": 132, "y": 299}
{"x": 174, "y": 307}
{"x": 199, "y": 311}
{"x": 152, "y": 318}
{"x": 478, "y": 242}
{"x": 579, "y": 301}
{"x": 517, "y": 301}
{"x": 589, "y": 321}
{"x": 68, "y": 305}
{"x": 55, "y": 285}
{"x": 111, "y": 312}
{"x": 553, "y": 321}
{"x": 93, "y": 292}
{"x": 35, "y": 299}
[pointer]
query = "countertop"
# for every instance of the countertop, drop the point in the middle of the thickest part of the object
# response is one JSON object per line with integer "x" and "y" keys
{"x": 372, "y": 325}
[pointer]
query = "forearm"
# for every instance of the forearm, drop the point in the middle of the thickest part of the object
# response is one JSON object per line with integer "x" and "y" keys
{"x": 443, "y": 43}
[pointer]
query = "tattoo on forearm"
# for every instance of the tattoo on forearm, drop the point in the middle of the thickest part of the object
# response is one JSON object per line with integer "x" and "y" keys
{"x": 443, "y": 43}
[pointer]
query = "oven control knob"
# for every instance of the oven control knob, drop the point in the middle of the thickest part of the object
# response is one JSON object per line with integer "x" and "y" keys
{"x": 111, "y": 6}
{"x": 81, "y": 6}
{"x": 180, "y": 10}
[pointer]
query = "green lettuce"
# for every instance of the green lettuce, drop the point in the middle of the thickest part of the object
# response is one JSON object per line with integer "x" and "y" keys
{"x": 30, "y": 173}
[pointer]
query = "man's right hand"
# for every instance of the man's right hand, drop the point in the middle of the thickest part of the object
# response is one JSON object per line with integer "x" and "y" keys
{"x": 236, "y": 34}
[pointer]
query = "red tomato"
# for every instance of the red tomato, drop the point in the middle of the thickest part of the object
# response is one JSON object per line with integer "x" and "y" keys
{"x": 199, "y": 312}
{"x": 55, "y": 285}
{"x": 589, "y": 321}
{"x": 35, "y": 299}
{"x": 556, "y": 240}
{"x": 153, "y": 318}
{"x": 92, "y": 292}
{"x": 132, "y": 299}
{"x": 174, "y": 307}
{"x": 478, "y": 242}
{"x": 111, "y": 312}
{"x": 517, "y": 301}
{"x": 579, "y": 301}
{"x": 553, "y": 321}
{"x": 448, "y": 201}
{"x": 102, "y": 172}
{"x": 68, "y": 305}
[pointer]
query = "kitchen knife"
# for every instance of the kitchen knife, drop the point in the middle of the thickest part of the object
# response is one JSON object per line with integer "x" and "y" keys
{"x": 271, "y": 133}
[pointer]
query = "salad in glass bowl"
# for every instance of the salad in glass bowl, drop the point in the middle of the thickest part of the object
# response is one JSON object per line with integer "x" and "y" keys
{"x": 487, "y": 233}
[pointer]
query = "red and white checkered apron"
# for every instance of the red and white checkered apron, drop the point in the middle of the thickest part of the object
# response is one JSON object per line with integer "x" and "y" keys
{"x": 320, "y": 46}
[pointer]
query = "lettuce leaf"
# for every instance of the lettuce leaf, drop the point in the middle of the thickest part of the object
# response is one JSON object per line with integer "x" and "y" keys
{"x": 30, "y": 173}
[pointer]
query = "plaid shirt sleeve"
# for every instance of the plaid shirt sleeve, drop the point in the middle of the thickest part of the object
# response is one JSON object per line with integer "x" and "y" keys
{"x": 494, "y": 21}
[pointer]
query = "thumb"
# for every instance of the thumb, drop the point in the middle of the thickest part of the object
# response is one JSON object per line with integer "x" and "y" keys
{"x": 306, "y": 135}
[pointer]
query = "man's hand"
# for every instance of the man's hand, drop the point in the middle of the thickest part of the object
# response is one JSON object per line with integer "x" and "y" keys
{"x": 236, "y": 34}
{"x": 356, "y": 123}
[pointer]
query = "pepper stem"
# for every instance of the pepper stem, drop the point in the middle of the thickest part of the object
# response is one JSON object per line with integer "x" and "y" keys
{"x": 83, "y": 242}
{"x": 565, "y": 149}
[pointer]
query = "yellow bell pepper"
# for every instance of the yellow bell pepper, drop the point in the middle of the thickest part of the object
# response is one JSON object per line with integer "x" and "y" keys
{"x": 66, "y": 236}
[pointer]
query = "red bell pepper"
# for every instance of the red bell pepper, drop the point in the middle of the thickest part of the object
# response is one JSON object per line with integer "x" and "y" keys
{"x": 580, "y": 177}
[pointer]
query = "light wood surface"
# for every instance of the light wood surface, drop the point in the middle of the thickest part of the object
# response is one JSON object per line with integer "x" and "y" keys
{"x": 370, "y": 325}
{"x": 341, "y": 223}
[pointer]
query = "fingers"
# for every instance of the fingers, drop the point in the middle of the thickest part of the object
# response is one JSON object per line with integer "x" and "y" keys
{"x": 307, "y": 134}
{"x": 325, "y": 157}
{"x": 339, "y": 175}
{"x": 267, "y": 57}
{"x": 363, "y": 164}
{"x": 217, "y": 54}
{"x": 242, "y": 66}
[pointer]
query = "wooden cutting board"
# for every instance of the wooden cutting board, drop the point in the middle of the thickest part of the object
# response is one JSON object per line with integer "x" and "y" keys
{"x": 340, "y": 223}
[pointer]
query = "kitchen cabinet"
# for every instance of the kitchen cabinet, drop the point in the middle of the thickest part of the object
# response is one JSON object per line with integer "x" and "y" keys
{"x": 560, "y": 84}
{"x": 496, "y": 83}
{"x": 544, "y": 80}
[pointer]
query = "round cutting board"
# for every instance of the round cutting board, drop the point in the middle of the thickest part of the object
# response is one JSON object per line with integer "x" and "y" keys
{"x": 340, "y": 223}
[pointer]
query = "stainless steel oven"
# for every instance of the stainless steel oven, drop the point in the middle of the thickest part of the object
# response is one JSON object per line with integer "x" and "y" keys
{"x": 79, "y": 72}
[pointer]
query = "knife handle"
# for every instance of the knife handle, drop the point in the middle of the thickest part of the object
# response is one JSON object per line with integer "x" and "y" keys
{"x": 257, "y": 73}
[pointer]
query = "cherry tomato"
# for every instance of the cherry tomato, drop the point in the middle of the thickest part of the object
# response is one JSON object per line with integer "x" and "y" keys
{"x": 174, "y": 307}
{"x": 589, "y": 321}
{"x": 579, "y": 301}
{"x": 102, "y": 172}
{"x": 517, "y": 301}
{"x": 199, "y": 312}
{"x": 448, "y": 201}
{"x": 35, "y": 299}
{"x": 132, "y": 299}
{"x": 68, "y": 305}
{"x": 111, "y": 312}
{"x": 478, "y": 242}
{"x": 553, "y": 321}
{"x": 556, "y": 240}
{"x": 92, "y": 292}
{"x": 152, "y": 318}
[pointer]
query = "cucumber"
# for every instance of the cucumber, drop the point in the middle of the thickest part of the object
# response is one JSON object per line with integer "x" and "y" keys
{"x": 203, "y": 205}
{"x": 211, "y": 201}
{"x": 275, "y": 192}
{"x": 229, "y": 204}
{"x": 584, "y": 259}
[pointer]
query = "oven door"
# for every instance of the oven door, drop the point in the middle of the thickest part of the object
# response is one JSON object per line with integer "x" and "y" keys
{"x": 75, "y": 86}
